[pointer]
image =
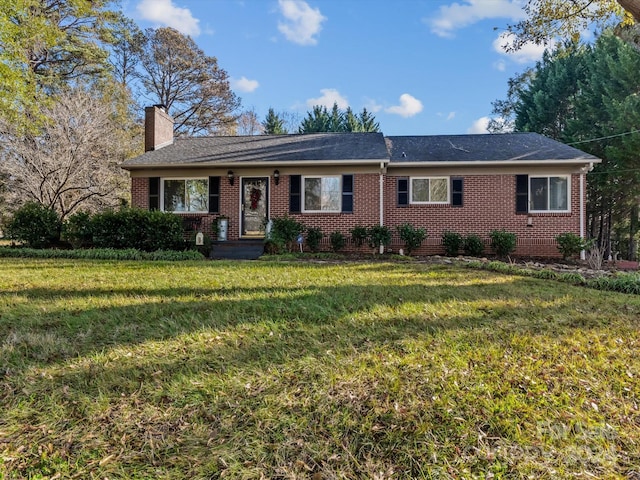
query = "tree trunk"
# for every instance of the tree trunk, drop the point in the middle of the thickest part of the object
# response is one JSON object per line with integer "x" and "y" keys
{"x": 631, "y": 6}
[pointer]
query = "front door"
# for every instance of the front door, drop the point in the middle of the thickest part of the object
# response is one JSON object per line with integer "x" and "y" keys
{"x": 255, "y": 198}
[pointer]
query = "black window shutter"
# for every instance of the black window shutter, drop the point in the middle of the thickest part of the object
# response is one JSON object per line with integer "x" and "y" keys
{"x": 522, "y": 194}
{"x": 347, "y": 193}
{"x": 403, "y": 192}
{"x": 295, "y": 188}
{"x": 214, "y": 194}
{"x": 154, "y": 193}
{"x": 456, "y": 192}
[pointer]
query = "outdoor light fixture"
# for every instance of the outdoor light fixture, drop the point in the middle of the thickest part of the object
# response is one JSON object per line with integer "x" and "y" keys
{"x": 276, "y": 176}
{"x": 231, "y": 177}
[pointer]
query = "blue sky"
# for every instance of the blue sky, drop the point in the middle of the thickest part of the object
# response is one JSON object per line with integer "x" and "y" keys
{"x": 421, "y": 66}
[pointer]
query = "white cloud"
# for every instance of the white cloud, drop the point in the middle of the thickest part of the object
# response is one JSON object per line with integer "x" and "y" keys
{"x": 243, "y": 84}
{"x": 328, "y": 98}
{"x": 372, "y": 106}
{"x": 302, "y": 23}
{"x": 409, "y": 106}
{"x": 459, "y": 15}
{"x": 500, "y": 65}
{"x": 481, "y": 125}
{"x": 164, "y": 12}
{"x": 528, "y": 53}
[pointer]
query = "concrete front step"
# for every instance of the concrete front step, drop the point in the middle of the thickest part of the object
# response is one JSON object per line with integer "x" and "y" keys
{"x": 238, "y": 249}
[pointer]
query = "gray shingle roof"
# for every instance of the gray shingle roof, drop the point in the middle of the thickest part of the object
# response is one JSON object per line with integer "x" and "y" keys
{"x": 208, "y": 151}
{"x": 354, "y": 147}
{"x": 507, "y": 147}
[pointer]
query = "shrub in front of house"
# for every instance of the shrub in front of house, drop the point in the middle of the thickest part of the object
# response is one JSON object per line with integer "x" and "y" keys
{"x": 570, "y": 244}
{"x": 473, "y": 245}
{"x": 503, "y": 242}
{"x": 314, "y": 237}
{"x": 77, "y": 230}
{"x": 411, "y": 236}
{"x": 337, "y": 241}
{"x": 144, "y": 230}
{"x": 379, "y": 235}
{"x": 283, "y": 236}
{"x": 452, "y": 243}
{"x": 359, "y": 235}
{"x": 34, "y": 225}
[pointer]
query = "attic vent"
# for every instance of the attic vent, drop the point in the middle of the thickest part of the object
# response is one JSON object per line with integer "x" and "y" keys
{"x": 404, "y": 155}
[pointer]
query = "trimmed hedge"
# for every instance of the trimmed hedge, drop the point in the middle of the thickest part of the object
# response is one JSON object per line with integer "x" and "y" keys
{"x": 100, "y": 254}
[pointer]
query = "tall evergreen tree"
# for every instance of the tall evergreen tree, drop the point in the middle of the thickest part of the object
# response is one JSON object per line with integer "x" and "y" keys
{"x": 317, "y": 120}
{"x": 368, "y": 122}
{"x": 273, "y": 124}
{"x": 588, "y": 97}
{"x": 321, "y": 120}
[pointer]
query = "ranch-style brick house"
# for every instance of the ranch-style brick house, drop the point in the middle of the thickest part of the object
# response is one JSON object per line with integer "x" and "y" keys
{"x": 524, "y": 183}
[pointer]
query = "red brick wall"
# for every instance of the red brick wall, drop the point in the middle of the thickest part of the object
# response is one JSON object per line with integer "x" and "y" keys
{"x": 140, "y": 192}
{"x": 366, "y": 206}
{"x": 488, "y": 204}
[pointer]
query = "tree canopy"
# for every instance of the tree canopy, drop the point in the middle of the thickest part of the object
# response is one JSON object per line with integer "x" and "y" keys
{"x": 587, "y": 96}
{"x": 319, "y": 119}
{"x": 45, "y": 44}
{"x": 549, "y": 19}
{"x": 190, "y": 84}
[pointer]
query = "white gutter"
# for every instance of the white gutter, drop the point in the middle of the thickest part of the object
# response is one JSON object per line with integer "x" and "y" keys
{"x": 483, "y": 163}
{"x": 251, "y": 164}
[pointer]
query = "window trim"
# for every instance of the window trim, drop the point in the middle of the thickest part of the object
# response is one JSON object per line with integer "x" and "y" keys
{"x": 183, "y": 212}
{"x": 445, "y": 178}
{"x": 303, "y": 205}
{"x": 548, "y": 177}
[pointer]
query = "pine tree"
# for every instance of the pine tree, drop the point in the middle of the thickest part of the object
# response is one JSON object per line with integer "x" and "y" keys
{"x": 273, "y": 124}
{"x": 368, "y": 122}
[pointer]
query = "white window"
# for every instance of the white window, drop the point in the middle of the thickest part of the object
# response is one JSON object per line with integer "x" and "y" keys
{"x": 187, "y": 195}
{"x": 429, "y": 190}
{"x": 322, "y": 194}
{"x": 549, "y": 194}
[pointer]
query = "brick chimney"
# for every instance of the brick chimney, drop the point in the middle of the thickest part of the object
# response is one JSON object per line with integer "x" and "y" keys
{"x": 158, "y": 128}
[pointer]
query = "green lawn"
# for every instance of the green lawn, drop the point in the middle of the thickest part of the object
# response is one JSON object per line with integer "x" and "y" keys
{"x": 323, "y": 371}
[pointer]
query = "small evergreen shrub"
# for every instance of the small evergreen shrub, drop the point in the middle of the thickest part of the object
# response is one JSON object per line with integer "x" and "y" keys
{"x": 284, "y": 233}
{"x": 379, "y": 235}
{"x": 337, "y": 240}
{"x": 359, "y": 235}
{"x": 570, "y": 244}
{"x": 139, "y": 229}
{"x": 34, "y": 225}
{"x": 473, "y": 245}
{"x": 314, "y": 237}
{"x": 503, "y": 242}
{"x": 452, "y": 243}
{"x": 78, "y": 230}
{"x": 412, "y": 237}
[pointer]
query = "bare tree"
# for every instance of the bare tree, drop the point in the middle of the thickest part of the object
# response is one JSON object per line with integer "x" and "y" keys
{"x": 249, "y": 124}
{"x": 71, "y": 163}
{"x": 189, "y": 83}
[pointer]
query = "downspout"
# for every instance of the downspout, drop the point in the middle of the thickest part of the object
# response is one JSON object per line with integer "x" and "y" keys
{"x": 381, "y": 206}
{"x": 583, "y": 255}
{"x": 381, "y": 194}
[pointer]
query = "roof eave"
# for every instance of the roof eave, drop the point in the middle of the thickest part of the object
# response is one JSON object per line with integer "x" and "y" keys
{"x": 272, "y": 163}
{"x": 496, "y": 163}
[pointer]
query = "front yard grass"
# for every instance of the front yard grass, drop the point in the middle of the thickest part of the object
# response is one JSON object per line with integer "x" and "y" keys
{"x": 326, "y": 371}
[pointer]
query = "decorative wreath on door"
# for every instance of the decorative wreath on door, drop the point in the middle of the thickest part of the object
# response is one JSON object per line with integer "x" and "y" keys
{"x": 256, "y": 195}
